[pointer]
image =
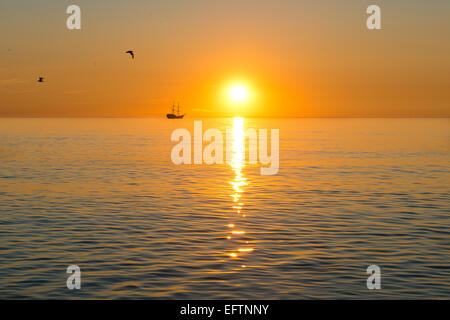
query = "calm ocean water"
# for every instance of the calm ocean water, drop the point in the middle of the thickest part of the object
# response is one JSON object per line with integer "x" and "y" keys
{"x": 103, "y": 194}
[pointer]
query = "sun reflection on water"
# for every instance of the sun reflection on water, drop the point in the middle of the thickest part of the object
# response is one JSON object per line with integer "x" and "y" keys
{"x": 237, "y": 164}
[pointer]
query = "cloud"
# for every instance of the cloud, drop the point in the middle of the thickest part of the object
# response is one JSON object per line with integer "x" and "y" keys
{"x": 10, "y": 81}
{"x": 202, "y": 110}
{"x": 75, "y": 92}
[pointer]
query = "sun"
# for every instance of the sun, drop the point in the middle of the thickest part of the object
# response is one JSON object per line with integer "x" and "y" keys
{"x": 238, "y": 93}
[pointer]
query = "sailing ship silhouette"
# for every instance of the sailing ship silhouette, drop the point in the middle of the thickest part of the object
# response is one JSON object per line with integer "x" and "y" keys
{"x": 174, "y": 115}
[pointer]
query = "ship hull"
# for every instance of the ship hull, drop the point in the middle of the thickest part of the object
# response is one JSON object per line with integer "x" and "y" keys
{"x": 174, "y": 116}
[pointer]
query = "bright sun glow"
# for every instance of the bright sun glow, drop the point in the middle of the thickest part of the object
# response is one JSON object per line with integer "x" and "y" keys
{"x": 238, "y": 93}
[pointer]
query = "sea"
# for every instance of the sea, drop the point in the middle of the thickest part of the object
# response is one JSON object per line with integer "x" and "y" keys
{"x": 104, "y": 194}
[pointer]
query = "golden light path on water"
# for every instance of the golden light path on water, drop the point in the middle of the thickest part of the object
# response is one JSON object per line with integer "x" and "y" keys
{"x": 237, "y": 164}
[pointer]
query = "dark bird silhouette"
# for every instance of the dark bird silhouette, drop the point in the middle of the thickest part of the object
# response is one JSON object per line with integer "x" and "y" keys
{"x": 40, "y": 79}
{"x": 131, "y": 53}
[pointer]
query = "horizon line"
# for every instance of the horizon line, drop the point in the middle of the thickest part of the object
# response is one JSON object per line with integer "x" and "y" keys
{"x": 239, "y": 116}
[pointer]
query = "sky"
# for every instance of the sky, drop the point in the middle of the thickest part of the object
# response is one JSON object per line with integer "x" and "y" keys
{"x": 296, "y": 58}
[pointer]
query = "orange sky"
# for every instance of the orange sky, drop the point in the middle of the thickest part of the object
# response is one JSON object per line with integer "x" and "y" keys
{"x": 298, "y": 58}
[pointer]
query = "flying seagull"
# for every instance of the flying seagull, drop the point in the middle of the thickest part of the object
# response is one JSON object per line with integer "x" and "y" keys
{"x": 131, "y": 53}
{"x": 40, "y": 79}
